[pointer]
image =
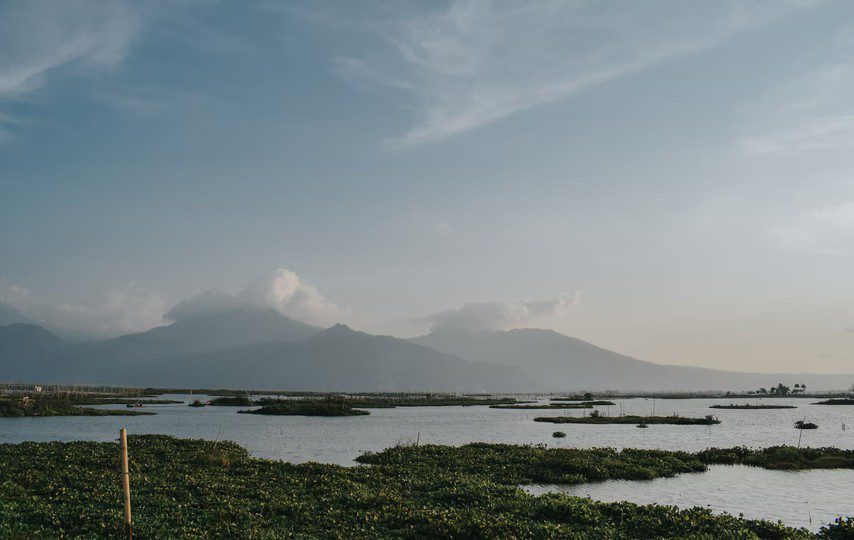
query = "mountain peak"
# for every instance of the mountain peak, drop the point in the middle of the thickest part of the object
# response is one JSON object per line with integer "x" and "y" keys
{"x": 339, "y": 329}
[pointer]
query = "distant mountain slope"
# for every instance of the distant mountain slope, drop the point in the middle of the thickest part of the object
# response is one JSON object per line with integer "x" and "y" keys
{"x": 562, "y": 363}
{"x": 248, "y": 347}
{"x": 199, "y": 334}
{"x": 335, "y": 359}
{"x": 27, "y": 352}
{"x": 10, "y": 315}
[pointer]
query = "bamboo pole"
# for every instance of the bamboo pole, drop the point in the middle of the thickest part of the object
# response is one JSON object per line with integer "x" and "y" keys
{"x": 126, "y": 480}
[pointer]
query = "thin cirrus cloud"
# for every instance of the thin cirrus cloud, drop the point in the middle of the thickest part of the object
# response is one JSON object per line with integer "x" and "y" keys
{"x": 40, "y": 38}
{"x": 827, "y": 230}
{"x": 477, "y": 61}
{"x": 811, "y": 112}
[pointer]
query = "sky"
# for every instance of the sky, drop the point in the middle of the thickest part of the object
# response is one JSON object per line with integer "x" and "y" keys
{"x": 672, "y": 180}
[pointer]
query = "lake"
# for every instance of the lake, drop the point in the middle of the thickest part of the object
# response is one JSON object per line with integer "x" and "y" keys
{"x": 340, "y": 439}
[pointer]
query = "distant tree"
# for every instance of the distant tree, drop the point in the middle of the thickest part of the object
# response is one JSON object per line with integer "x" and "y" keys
{"x": 782, "y": 390}
{"x": 764, "y": 391}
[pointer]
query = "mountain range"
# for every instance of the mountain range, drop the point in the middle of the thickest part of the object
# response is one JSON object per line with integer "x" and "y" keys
{"x": 247, "y": 347}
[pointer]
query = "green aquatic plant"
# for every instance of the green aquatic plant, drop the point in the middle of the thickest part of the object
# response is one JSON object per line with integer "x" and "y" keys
{"x": 552, "y": 406}
{"x": 17, "y": 407}
{"x": 837, "y": 401}
{"x": 841, "y": 529}
{"x": 558, "y": 434}
{"x": 596, "y": 418}
{"x": 231, "y": 401}
{"x": 311, "y": 407}
{"x": 751, "y": 407}
{"x": 803, "y": 424}
{"x": 193, "y": 488}
{"x": 197, "y": 403}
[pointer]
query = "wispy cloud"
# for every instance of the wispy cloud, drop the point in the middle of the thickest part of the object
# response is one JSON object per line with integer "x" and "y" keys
{"x": 504, "y": 315}
{"x": 825, "y": 230}
{"x": 477, "y": 61}
{"x": 120, "y": 311}
{"x": 825, "y": 133}
{"x": 39, "y": 38}
{"x": 811, "y": 112}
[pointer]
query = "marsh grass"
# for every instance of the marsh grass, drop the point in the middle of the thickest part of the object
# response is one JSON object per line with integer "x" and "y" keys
{"x": 634, "y": 420}
{"x": 193, "y": 488}
{"x": 15, "y": 407}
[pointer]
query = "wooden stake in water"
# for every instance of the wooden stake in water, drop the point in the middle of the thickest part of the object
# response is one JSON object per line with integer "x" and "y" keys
{"x": 123, "y": 437}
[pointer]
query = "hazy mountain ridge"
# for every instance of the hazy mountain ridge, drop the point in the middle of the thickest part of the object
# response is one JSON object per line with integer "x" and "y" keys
{"x": 247, "y": 347}
{"x": 336, "y": 359}
{"x": 558, "y": 363}
{"x": 11, "y": 315}
{"x": 261, "y": 348}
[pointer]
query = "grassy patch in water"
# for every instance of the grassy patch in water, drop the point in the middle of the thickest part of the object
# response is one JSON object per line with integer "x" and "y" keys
{"x": 311, "y": 407}
{"x": 231, "y": 401}
{"x": 780, "y": 457}
{"x": 633, "y": 420}
{"x": 745, "y": 406}
{"x": 57, "y": 407}
{"x": 552, "y": 406}
{"x": 371, "y": 402}
{"x": 585, "y": 401}
{"x": 839, "y": 401}
{"x": 192, "y": 488}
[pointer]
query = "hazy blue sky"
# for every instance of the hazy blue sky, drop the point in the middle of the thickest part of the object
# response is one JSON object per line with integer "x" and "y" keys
{"x": 673, "y": 180}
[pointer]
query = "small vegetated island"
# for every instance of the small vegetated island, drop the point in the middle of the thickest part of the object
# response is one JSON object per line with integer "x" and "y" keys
{"x": 552, "y": 406}
{"x": 803, "y": 424}
{"x": 428, "y": 400}
{"x": 231, "y": 401}
{"x": 307, "y": 407}
{"x": 23, "y": 407}
{"x": 747, "y": 406}
{"x": 56, "y": 489}
{"x": 595, "y": 418}
{"x": 584, "y": 401}
{"x": 837, "y": 401}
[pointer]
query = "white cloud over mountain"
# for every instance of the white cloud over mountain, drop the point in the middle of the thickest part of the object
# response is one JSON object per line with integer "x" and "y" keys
{"x": 504, "y": 315}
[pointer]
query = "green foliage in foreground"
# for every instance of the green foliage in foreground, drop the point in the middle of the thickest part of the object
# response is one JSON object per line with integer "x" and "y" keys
{"x": 517, "y": 464}
{"x": 58, "y": 407}
{"x": 600, "y": 419}
{"x": 310, "y": 407}
{"x": 198, "y": 488}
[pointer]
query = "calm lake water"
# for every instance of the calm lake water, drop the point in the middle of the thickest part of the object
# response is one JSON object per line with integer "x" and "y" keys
{"x": 340, "y": 440}
{"x": 806, "y": 499}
